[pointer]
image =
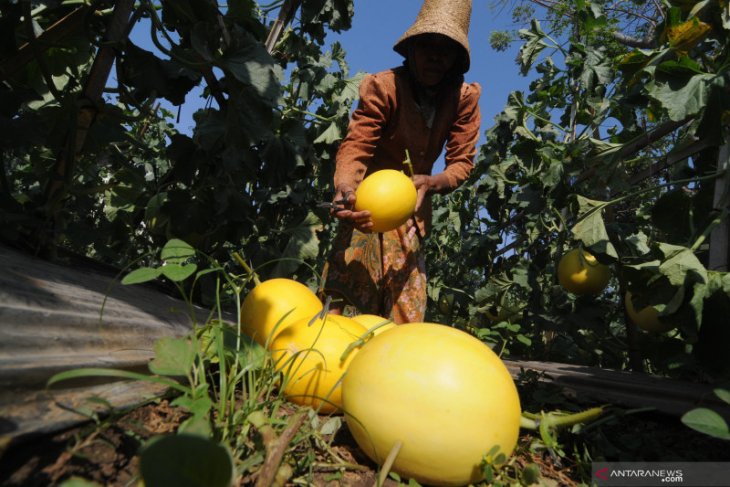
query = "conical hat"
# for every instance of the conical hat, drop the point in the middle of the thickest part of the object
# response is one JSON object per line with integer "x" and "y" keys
{"x": 446, "y": 17}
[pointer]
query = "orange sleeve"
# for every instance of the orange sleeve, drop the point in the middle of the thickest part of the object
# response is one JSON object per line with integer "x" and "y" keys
{"x": 461, "y": 145}
{"x": 366, "y": 127}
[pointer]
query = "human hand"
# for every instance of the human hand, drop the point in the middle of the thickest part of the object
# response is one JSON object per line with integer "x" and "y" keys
{"x": 360, "y": 219}
{"x": 424, "y": 187}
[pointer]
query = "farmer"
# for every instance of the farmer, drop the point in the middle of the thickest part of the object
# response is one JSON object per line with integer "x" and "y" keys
{"x": 420, "y": 107}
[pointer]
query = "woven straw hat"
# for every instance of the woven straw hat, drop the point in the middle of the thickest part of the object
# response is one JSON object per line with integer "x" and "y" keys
{"x": 446, "y": 17}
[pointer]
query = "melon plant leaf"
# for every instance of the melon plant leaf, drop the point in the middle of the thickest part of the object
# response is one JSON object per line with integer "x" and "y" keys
{"x": 143, "y": 274}
{"x": 252, "y": 65}
{"x": 680, "y": 263}
{"x": 200, "y": 406}
{"x": 590, "y": 228}
{"x": 350, "y": 90}
{"x": 173, "y": 356}
{"x": 595, "y": 67}
{"x": 149, "y": 75}
{"x": 681, "y": 97}
{"x": 177, "y": 272}
{"x": 708, "y": 422}
{"x": 532, "y": 48}
{"x": 303, "y": 245}
{"x": 703, "y": 290}
{"x": 176, "y": 251}
{"x": 723, "y": 394}
{"x": 186, "y": 460}
{"x": 202, "y": 39}
{"x": 330, "y": 135}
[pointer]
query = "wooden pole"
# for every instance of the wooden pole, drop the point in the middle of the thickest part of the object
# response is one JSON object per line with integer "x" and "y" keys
{"x": 286, "y": 13}
{"x": 63, "y": 27}
{"x": 88, "y": 104}
{"x": 718, "y": 260}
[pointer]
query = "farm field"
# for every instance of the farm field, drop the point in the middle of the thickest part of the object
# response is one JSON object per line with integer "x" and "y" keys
{"x": 163, "y": 312}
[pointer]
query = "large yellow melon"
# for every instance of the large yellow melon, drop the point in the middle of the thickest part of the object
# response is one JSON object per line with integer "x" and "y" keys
{"x": 389, "y": 196}
{"x": 445, "y": 396}
{"x": 275, "y": 303}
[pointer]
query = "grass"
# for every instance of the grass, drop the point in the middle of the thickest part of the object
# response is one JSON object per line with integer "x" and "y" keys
{"x": 239, "y": 429}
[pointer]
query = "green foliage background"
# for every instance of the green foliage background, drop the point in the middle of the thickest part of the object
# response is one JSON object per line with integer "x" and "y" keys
{"x": 614, "y": 148}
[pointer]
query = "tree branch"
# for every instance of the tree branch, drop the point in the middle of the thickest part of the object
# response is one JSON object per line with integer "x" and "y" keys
{"x": 276, "y": 447}
{"x": 647, "y": 42}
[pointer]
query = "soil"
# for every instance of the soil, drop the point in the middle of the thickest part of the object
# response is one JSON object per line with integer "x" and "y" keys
{"x": 107, "y": 454}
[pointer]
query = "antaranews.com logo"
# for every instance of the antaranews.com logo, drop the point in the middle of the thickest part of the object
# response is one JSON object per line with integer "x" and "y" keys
{"x": 699, "y": 474}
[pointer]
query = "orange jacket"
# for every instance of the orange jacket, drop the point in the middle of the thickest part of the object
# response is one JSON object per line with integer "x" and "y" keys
{"x": 387, "y": 121}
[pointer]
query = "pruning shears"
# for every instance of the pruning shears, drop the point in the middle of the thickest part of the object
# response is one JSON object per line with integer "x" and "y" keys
{"x": 337, "y": 205}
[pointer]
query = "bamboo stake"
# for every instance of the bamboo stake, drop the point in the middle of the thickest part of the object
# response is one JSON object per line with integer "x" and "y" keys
{"x": 91, "y": 95}
{"x": 63, "y": 27}
{"x": 285, "y": 15}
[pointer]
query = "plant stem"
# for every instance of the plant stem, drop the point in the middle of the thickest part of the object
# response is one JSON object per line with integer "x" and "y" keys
{"x": 571, "y": 419}
{"x": 532, "y": 421}
{"x": 388, "y": 463}
{"x": 706, "y": 233}
{"x": 247, "y": 268}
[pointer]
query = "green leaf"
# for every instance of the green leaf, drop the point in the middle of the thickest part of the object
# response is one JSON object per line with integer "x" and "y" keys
{"x": 199, "y": 406}
{"x": 253, "y": 66}
{"x": 590, "y": 228}
{"x": 176, "y": 251}
{"x": 682, "y": 66}
{"x": 704, "y": 290}
{"x": 197, "y": 425}
{"x": 303, "y": 245}
{"x": 530, "y": 475}
{"x": 596, "y": 70}
{"x": 186, "y": 461}
{"x": 350, "y": 89}
{"x": 119, "y": 374}
{"x": 173, "y": 356}
{"x": 143, "y": 274}
{"x": 146, "y": 75}
{"x": 708, "y": 422}
{"x": 681, "y": 97}
{"x": 723, "y": 394}
{"x": 525, "y": 132}
{"x": 177, "y": 272}
{"x": 330, "y": 135}
{"x": 700, "y": 292}
{"x": 672, "y": 214}
{"x": 680, "y": 263}
{"x": 531, "y": 49}
{"x": 638, "y": 242}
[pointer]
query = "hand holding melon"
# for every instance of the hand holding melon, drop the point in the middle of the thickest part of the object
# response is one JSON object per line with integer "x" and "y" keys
{"x": 390, "y": 197}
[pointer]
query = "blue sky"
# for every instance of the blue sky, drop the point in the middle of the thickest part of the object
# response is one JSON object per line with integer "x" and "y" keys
{"x": 378, "y": 24}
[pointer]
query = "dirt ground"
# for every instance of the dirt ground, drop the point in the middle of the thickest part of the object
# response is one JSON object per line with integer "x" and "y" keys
{"x": 108, "y": 455}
